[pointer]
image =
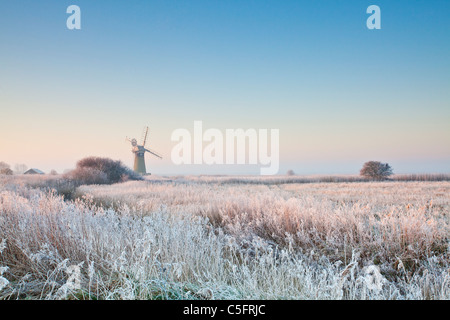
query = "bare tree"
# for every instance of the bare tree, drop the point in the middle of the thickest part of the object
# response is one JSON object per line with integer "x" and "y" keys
{"x": 20, "y": 168}
{"x": 376, "y": 170}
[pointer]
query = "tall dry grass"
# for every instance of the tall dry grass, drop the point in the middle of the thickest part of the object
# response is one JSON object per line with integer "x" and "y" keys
{"x": 287, "y": 179}
{"x": 386, "y": 222}
{"x": 57, "y": 250}
{"x": 164, "y": 239}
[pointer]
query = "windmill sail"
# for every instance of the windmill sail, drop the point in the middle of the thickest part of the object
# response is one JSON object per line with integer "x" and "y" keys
{"x": 153, "y": 153}
{"x": 144, "y": 136}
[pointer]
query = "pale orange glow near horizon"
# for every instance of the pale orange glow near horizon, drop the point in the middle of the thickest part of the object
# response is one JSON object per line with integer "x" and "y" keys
{"x": 50, "y": 144}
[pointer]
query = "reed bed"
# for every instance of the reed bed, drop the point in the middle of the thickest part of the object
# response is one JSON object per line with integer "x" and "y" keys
{"x": 185, "y": 238}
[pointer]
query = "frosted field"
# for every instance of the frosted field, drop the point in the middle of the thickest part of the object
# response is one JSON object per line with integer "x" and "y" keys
{"x": 225, "y": 238}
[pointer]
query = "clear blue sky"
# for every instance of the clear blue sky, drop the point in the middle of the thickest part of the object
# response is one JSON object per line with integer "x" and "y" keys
{"x": 340, "y": 94}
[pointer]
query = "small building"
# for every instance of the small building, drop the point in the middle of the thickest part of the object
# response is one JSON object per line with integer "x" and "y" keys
{"x": 33, "y": 171}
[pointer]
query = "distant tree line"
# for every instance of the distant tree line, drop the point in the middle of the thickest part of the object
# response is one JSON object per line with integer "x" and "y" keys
{"x": 6, "y": 168}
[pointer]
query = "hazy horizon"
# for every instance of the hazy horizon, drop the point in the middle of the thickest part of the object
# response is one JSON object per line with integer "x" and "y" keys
{"x": 339, "y": 94}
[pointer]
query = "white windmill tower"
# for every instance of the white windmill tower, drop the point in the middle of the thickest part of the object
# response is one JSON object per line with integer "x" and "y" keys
{"x": 139, "y": 152}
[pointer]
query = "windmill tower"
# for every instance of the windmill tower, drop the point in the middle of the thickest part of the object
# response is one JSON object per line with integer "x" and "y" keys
{"x": 139, "y": 152}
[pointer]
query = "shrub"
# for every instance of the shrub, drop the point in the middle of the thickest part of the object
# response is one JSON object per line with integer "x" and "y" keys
{"x": 96, "y": 170}
{"x": 6, "y": 171}
{"x": 89, "y": 176}
{"x": 376, "y": 170}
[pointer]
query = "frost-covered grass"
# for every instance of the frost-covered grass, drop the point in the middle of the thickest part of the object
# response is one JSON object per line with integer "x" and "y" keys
{"x": 185, "y": 239}
{"x": 387, "y": 222}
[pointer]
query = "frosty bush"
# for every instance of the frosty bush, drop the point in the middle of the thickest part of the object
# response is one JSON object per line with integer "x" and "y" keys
{"x": 6, "y": 171}
{"x": 96, "y": 170}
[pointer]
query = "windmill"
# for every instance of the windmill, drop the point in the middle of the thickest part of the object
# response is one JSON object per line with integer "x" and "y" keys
{"x": 139, "y": 152}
